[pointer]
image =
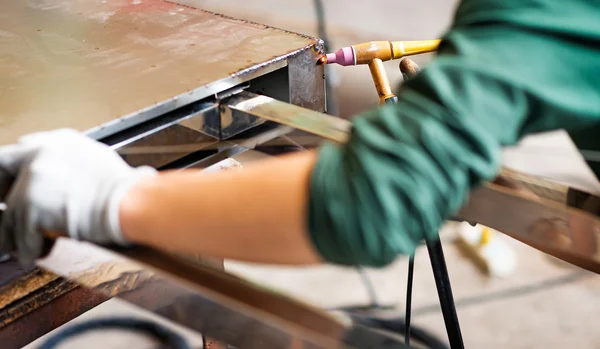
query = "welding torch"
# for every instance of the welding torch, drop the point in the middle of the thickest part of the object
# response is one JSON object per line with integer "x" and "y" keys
{"x": 374, "y": 53}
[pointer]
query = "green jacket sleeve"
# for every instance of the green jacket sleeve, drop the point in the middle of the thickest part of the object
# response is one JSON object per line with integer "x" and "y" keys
{"x": 506, "y": 68}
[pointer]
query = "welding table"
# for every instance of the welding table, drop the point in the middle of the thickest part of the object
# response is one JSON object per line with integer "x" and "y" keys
{"x": 146, "y": 78}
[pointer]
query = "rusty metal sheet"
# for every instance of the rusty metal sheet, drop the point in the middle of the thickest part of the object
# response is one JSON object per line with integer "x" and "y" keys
{"x": 101, "y": 66}
{"x": 55, "y": 311}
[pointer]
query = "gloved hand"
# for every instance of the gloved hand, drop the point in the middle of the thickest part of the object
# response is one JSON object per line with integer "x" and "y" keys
{"x": 61, "y": 181}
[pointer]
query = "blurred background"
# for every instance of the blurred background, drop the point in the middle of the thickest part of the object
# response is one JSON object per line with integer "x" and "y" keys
{"x": 542, "y": 304}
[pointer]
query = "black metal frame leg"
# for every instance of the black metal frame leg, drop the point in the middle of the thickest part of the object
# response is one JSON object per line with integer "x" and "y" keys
{"x": 442, "y": 282}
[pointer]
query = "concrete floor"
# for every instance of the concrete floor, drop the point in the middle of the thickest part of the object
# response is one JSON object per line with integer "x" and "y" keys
{"x": 544, "y": 304}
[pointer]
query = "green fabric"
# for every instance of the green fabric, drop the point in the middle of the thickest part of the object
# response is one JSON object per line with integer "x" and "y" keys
{"x": 505, "y": 69}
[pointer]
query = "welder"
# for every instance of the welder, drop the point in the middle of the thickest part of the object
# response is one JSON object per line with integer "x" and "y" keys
{"x": 504, "y": 69}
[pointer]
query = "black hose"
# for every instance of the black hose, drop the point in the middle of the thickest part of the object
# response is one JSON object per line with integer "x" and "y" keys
{"x": 409, "y": 287}
{"x": 442, "y": 282}
{"x": 160, "y": 333}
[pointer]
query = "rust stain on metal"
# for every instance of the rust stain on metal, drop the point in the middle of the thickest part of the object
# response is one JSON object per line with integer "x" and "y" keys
{"x": 62, "y": 301}
{"x": 26, "y": 326}
{"x": 39, "y": 288}
{"x": 24, "y": 286}
{"x": 35, "y": 300}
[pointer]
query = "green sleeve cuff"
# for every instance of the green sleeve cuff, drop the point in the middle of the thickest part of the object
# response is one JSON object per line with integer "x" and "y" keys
{"x": 392, "y": 185}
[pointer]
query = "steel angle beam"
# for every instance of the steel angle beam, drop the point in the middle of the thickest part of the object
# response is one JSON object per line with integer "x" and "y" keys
{"x": 534, "y": 210}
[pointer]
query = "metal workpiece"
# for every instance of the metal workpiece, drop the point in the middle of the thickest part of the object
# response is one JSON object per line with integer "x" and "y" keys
{"x": 214, "y": 133}
{"x": 301, "y": 84}
{"x": 205, "y": 116}
{"x": 208, "y": 126}
{"x": 249, "y": 140}
{"x": 307, "y": 79}
{"x": 164, "y": 147}
{"x": 104, "y": 66}
{"x": 304, "y": 119}
{"x": 268, "y": 138}
{"x": 197, "y": 125}
{"x": 233, "y": 122}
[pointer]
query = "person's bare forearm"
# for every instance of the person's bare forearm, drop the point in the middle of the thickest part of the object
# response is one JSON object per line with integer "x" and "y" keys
{"x": 257, "y": 214}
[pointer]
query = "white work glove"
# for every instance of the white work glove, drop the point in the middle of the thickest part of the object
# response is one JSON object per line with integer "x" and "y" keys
{"x": 61, "y": 181}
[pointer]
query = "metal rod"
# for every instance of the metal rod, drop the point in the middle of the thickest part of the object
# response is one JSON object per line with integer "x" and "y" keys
{"x": 442, "y": 282}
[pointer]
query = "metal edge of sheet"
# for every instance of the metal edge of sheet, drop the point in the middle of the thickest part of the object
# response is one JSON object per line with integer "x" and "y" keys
{"x": 546, "y": 222}
{"x": 184, "y": 99}
{"x": 195, "y": 95}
